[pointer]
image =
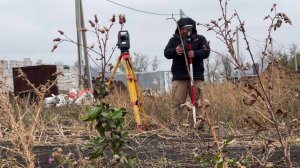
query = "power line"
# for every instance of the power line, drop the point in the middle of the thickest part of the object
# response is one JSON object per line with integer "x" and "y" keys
{"x": 142, "y": 11}
{"x": 282, "y": 46}
{"x": 255, "y": 39}
{"x": 165, "y": 14}
{"x": 278, "y": 44}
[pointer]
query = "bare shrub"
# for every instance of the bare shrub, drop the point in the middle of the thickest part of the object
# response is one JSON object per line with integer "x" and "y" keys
{"x": 258, "y": 94}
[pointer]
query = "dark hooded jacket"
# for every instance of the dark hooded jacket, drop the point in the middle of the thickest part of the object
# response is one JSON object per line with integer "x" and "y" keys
{"x": 179, "y": 68}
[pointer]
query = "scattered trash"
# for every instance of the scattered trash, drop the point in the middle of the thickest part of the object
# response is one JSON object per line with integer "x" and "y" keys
{"x": 74, "y": 96}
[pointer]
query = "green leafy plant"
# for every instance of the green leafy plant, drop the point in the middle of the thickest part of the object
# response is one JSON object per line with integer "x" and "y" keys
{"x": 112, "y": 135}
{"x": 58, "y": 157}
{"x": 216, "y": 159}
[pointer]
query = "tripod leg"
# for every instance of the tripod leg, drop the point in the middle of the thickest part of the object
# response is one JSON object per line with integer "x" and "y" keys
{"x": 141, "y": 107}
{"x": 139, "y": 97}
{"x": 131, "y": 81}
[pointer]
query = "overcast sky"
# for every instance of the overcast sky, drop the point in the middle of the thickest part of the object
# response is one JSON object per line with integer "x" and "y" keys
{"x": 28, "y": 27}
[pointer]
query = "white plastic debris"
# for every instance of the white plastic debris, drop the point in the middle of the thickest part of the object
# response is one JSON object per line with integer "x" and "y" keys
{"x": 51, "y": 100}
{"x": 78, "y": 97}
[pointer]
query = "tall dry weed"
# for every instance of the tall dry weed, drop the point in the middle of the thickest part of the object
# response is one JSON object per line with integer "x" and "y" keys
{"x": 22, "y": 118}
{"x": 260, "y": 93}
{"x": 227, "y": 98}
{"x": 226, "y": 102}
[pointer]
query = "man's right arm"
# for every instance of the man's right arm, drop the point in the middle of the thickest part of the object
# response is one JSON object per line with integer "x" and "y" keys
{"x": 170, "y": 50}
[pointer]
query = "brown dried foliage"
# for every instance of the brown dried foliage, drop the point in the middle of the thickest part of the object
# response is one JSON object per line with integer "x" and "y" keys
{"x": 21, "y": 120}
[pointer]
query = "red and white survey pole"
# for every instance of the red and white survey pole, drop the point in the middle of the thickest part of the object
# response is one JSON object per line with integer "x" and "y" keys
{"x": 189, "y": 45}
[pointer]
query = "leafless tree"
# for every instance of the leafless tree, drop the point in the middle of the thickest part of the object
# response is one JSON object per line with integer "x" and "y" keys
{"x": 155, "y": 63}
{"x": 256, "y": 93}
{"x": 207, "y": 71}
{"x": 213, "y": 70}
{"x": 140, "y": 62}
{"x": 227, "y": 71}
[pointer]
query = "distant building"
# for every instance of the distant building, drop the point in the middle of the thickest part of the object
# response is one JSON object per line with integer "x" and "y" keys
{"x": 69, "y": 79}
{"x": 7, "y": 74}
{"x": 249, "y": 73}
{"x": 159, "y": 81}
{"x": 66, "y": 82}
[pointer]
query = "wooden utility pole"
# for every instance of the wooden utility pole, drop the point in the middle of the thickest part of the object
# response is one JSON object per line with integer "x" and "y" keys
{"x": 81, "y": 40}
{"x": 181, "y": 13}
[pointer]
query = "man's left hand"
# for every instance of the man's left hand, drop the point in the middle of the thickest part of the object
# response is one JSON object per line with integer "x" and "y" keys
{"x": 191, "y": 54}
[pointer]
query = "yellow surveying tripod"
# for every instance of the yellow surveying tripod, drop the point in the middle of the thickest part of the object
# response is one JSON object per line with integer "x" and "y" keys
{"x": 132, "y": 84}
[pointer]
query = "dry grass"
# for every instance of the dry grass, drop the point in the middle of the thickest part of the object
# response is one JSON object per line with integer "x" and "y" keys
{"x": 21, "y": 118}
{"x": 226, "y": 99}
{"x": 226, "y": 102}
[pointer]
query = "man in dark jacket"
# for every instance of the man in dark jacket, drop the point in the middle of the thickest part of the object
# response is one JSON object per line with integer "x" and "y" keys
{"x": 181, "y": 85}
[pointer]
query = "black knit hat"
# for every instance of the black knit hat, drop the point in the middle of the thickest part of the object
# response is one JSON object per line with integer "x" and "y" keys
{"x": 186, "y": 21}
